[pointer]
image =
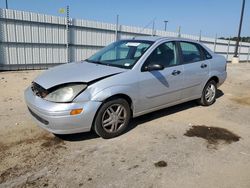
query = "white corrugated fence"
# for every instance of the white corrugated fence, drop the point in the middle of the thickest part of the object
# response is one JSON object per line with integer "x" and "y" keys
{"x": 29, "y": 40}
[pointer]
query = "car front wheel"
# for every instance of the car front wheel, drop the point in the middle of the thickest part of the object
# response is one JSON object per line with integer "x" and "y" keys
{"x": 112, "y": 118}
{"x": 209, "y": 94}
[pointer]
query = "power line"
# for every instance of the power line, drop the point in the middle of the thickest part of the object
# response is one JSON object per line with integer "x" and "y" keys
{"x": 147, "y": 25}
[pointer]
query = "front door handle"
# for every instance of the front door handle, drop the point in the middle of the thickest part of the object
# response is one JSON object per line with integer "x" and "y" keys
{"x": 176, "y": 72}
{"x": 203, "y": 65}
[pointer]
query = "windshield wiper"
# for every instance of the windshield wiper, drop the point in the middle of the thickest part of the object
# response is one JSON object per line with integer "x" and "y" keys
{"x": 97, "y": 62}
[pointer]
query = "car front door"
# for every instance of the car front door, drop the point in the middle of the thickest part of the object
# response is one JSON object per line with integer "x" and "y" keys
{"x": 161, "y": 87}
{"x": 196, "y": 70}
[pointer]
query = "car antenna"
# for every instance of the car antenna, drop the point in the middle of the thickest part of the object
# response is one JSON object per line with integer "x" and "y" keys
{"x": 149, "y": 23}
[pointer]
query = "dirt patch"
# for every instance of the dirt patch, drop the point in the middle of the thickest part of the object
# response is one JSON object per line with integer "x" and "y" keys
{"x": 55, "y": 141}
{"x": 3, "y": 147}
{"x": 161, "y": 164}
{"x": 43, "y": 148}
{"x": 133, "y": 167}
{"x": 242, "y": 100}
{"x": 171, "y": 136}
{"x": 48, "y": 141}
{"x": 212, "y": 134}
{"x": 8, "y": 174}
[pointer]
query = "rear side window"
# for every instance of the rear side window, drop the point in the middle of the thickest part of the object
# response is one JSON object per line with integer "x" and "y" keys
{"x": 207, "y": 55}
{"x": 190, "y": 52}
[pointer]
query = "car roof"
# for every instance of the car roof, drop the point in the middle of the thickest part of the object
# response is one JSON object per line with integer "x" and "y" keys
{"x": 157, "y": 38}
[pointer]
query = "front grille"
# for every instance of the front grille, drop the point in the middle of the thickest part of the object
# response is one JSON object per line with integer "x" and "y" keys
{"x": 38, "y": 117}
{"x": 39, "y": 90}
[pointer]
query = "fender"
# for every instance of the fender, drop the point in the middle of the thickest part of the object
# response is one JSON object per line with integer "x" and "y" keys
{"x": 114, "y": 90}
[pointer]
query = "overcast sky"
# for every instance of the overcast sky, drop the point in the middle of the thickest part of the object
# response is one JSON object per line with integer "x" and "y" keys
{"x": 210, "y": 16}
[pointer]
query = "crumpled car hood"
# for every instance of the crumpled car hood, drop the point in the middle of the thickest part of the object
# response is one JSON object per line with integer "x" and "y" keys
{"x": 75, "y": 72}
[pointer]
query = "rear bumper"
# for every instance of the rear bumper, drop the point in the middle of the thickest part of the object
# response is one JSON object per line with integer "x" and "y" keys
{"x": 222, "y": 77}
{"x": 56, "y": 118}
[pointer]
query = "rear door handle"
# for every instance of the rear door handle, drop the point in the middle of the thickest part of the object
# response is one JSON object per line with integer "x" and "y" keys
{"x": 203, "y": 65}
{"x": 176, "y": 72}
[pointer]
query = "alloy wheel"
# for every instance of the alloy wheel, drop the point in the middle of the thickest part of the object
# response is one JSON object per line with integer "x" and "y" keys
{"x": 113, "y": 118}
{"x": 210, "y": 93}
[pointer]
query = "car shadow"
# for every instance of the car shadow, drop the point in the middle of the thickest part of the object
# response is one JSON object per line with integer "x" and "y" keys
{"x": 219, "y": 93}
{"x": 165, "y": 112}
{"x": 78, "y": 136}
{"x": 160, "y": 113}
{"x": 138, "y": 120}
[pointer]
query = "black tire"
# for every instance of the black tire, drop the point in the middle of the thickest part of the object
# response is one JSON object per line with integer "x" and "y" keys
{"x": 204, "y": 100}
{"x": 104, "y": 112}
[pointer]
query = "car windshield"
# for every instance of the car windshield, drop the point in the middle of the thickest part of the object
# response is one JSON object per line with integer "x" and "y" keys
{"x": 123, "y": 54}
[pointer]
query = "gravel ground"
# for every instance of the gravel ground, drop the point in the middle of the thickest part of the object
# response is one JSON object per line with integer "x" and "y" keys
{"x": 167, "y": 148}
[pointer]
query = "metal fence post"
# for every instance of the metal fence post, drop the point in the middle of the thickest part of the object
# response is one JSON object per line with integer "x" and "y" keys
{"x": 117, "y": 28}
{"x": 68, "y": 35}
{"x": 239, "y": 54}
{"x": 248, "y": 54}
{"x": 179, "y": 31}
{"x": 153, "y": 28}
{"x": 215, "y": 42}
{"x": 228, "y": 46}
{"x": 200, "y": 36}
{"x": 7, "y": 39}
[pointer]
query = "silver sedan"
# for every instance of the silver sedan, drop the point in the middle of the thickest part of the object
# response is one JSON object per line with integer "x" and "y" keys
{"x": 126, "y": 79}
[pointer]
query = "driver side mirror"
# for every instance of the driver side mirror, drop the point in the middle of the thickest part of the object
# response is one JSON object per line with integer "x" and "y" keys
{"x": 153, "y": 67}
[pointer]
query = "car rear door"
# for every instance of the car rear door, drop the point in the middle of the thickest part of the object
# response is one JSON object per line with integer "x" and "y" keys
{"x": 161, "y": 87}
{"x": 196, "y": 69}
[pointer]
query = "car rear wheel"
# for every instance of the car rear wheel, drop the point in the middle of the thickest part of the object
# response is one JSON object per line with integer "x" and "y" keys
{"x": 209, "y": 94}
{"x": 112, "y": 118}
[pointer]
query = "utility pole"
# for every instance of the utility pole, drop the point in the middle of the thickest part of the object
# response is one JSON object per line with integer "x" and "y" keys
{"x": 239, "y": 32}
{"x": 6, "y": 3}
{"x": 166, "y": 23}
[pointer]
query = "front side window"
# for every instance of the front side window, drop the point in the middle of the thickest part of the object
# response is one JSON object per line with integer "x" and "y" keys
{"x": 122, "y": 54}
{"x": 190, "y": 52}
{"x": 165, "y": 55}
